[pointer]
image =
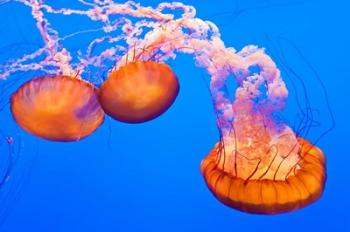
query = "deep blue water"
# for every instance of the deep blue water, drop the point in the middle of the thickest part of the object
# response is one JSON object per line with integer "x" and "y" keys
{"x": 145, "y": 177}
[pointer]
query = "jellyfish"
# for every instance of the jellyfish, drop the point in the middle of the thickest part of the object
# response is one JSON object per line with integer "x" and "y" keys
{"x": 257, "y": 193}
{"x": 59, "y": 108}
{"x": 260, "y": 165}
{"x": 138, "y": 92}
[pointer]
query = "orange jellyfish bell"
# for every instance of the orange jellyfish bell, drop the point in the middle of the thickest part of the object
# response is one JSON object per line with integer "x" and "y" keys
{"x": 139, "y": 91}
{"x": 301, "y": 186}
{"x": 59, "y": 108}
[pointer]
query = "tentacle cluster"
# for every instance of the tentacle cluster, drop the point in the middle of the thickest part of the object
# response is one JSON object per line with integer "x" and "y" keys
{"x": 253, "y": 140}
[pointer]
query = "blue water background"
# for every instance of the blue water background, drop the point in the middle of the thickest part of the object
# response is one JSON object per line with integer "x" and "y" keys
{"x": 146, "y": 177}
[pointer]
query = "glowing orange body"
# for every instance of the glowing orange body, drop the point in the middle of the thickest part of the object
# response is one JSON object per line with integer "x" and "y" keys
{"x": 139, "y": 91}
{"x": 268, "y": 196}
{"x": 59, "y": 108}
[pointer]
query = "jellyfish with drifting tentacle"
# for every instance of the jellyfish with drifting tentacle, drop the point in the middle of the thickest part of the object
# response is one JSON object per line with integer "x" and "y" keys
{"x": 258, "y": 166}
